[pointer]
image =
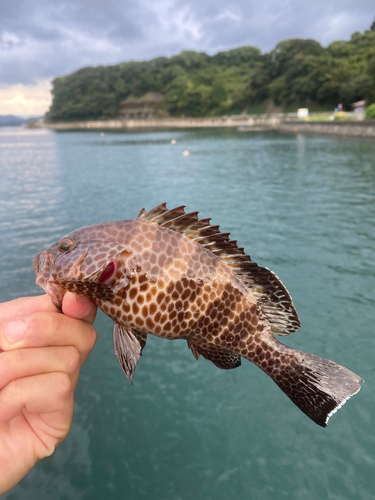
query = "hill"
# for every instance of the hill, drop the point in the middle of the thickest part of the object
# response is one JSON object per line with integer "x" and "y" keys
{"x": 297, "y": 72}
{"x": 15, "y": 121}
{"x": 11, "y": 121}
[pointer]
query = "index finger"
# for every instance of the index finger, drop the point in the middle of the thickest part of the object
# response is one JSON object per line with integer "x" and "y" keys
{"x": 25, "y": 306}
{"x": 48, "y": 329}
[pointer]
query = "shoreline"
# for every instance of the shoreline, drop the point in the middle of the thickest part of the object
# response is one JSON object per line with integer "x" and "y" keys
{"x": 343, "y": 128}
{"x": 237, "y": 121}
{"x": 365, "y": 128}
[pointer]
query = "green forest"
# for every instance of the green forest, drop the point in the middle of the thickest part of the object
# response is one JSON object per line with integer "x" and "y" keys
{"x": 296, "y": 73}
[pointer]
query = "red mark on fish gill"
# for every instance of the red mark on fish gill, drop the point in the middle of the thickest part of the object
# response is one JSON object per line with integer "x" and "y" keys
{"x": 108, "y": 272}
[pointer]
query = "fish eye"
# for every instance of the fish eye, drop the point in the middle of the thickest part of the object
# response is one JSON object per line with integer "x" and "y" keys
{"x": 65, "y": 246}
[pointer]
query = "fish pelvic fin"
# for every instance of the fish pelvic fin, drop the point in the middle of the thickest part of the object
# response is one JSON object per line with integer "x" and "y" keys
{"x": 141, "y": 337}
{"x": 272, "y": 296}
{"x": 127, "y": 349}
{"x": 318, "y": 386}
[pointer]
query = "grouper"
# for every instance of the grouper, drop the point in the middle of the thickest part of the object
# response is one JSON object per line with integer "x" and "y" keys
{"x": 170, "y": 274}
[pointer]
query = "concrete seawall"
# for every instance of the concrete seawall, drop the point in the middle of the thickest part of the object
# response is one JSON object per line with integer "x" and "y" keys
{"x": 348, "y": 128}
{"x": 246, "y": 123}
{"x": 237, "y": 121}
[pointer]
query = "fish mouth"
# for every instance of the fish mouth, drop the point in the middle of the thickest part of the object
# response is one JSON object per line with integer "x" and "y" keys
{"x": 36, "y": 263}
{"x": 39, "y": 262}
{"x": 43, "y": 264}
{"x": 56, "y": 294}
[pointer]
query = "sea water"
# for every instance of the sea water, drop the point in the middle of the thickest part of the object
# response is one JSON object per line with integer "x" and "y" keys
{"x": 303, "y": 206}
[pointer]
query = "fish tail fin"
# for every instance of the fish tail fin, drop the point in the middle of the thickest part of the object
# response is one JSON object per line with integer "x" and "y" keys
{"x": 318, "y": 386}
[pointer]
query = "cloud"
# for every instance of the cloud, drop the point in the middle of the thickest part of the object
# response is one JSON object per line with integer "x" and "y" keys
{"x": 44, "y": 39}
{"x": 264, "y": 24}
{"x": 26, "y": 99}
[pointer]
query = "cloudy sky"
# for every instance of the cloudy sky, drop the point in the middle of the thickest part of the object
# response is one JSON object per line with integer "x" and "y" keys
{"x": 42, "y": 39}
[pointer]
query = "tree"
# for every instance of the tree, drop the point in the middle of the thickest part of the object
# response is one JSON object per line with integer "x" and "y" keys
{"x": 296, "y": 72}
{"x": 370, "y": 112}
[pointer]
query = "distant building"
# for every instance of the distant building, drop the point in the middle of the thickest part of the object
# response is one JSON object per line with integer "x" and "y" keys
{"x": 302, "y": 113}
{"x": 359, "y": 109}
{"x": 142, "y": 108}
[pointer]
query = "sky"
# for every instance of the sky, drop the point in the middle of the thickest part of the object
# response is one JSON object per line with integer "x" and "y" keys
{"x": 43, "y": 39}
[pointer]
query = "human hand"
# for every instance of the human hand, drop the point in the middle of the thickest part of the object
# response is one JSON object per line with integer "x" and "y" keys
{"x": 43, "y": 351}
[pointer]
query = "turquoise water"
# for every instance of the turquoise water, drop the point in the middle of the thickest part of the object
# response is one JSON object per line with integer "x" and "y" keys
{"x": 302, "y": 206}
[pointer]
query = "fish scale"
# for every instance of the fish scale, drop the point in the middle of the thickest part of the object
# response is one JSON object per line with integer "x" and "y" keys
{"x": 173, "y": 275}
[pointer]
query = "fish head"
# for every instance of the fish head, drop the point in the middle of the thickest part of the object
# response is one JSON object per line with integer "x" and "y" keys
{"x": 84, "y": 255}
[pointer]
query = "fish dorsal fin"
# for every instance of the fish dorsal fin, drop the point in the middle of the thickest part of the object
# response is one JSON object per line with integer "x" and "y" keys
{"x": 272, "y": 295}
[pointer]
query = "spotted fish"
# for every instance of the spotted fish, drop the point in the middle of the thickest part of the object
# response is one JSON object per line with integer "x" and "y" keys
{"x": 170, "y": 274}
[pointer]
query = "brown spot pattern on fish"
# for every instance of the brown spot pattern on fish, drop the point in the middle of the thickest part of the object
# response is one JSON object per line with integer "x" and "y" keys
{"x": 173, "y": 275}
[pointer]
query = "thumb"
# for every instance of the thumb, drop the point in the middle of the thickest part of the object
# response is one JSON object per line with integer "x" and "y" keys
{"x": 79, "y": 307}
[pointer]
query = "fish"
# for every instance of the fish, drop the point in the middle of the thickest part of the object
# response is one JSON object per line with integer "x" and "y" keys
{"x": 171, "y": 274}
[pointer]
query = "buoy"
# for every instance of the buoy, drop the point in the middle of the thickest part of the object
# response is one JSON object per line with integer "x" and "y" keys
{"x": 185, "y": 153}
{"x": 173, "y": 141}
{"x": 101, "y": 134}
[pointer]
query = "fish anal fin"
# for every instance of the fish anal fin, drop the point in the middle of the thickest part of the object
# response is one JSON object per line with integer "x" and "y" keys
{"x": 91, "y": 289}
{"x": 273, "y": 297}
{"x": 127, "y": 349}
{"x": 225, "y": 360}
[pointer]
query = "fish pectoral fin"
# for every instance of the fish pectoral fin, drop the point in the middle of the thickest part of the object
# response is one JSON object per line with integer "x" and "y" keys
{"x": 225, "y": 360}
{"x": 127, "y": 349}
{"x": 91, "y": 289}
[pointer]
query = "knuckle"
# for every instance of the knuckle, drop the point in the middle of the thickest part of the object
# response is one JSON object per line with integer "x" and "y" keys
{"x": 20, "y": 357}
{"x": 92, "y": 337}
{"x": 48, "y": 324}
{"x": 6, "y": 365}
{"x": 14, "y": 390}
{"x": 72, "y": 360}
{"x": 9, "y": 365}
{"x": 56, "y": 324}
{"x": 64, "y": 387}
{"x": 35, "y": 324}
{"x": 6, "y": 369}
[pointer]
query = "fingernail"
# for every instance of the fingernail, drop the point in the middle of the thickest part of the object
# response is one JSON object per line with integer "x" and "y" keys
{"x": 15, "y": 331}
